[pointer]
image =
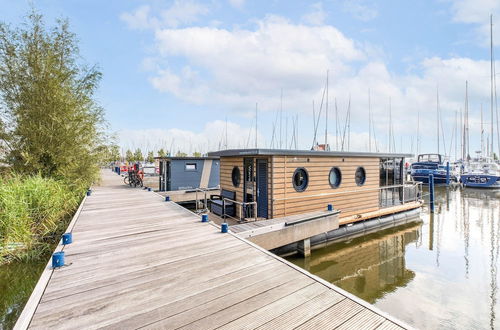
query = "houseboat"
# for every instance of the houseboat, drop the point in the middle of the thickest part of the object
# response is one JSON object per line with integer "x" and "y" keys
{"x": 186, "y": 179}
{"x": 268, "y": 184}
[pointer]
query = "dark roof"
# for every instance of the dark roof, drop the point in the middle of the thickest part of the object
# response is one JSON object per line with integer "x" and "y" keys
{"x": 188, "y": 158}
{"x": 286, "y": 152}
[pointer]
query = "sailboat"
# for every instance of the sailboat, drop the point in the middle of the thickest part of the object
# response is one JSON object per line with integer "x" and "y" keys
{"x": 483, "y": 172}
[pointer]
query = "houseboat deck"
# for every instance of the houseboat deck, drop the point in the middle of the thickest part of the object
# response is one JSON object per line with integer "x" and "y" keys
{"x": 139, "y": 262}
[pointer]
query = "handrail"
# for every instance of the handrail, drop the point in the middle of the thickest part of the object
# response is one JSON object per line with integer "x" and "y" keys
{"x": 204, "y": 190}
{"x": 242, "y": 204}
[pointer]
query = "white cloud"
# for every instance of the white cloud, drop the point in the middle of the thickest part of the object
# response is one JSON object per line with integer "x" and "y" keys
{"x": 316, "y": 16}
{"x": 140, "y": 19}
{"x": 478, "y": 12}
{"x": 237, "y": 3}
{"x": 181, "y": 12}
{"x": 239, "y": 67}
{"x": 361, "y": 9}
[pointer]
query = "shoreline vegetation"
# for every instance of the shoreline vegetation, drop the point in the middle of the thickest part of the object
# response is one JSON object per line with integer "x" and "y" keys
{"x": 53, "y": 135}
{"x": 35, "y": 212}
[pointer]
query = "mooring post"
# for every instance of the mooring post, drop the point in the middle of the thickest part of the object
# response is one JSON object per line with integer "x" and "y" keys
{"x": 204, "y": 218}
{"x": 167, "y": 198}
{"x": 304, "y": 247}
{"x": 58, "y": 259}
{"x": 431, "y": 192}
{"x": 224, "y": 227}
{"x": 447, "y": 173}
{"x": 67, "y": 238}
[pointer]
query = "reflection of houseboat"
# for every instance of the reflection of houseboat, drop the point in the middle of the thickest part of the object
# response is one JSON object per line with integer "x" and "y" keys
{"x": 280, "y": 183}
{"x": 181, "y": 177}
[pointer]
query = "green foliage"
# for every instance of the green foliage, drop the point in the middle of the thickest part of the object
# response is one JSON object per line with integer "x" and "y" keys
{"x": 151, "y": 157}
{"x": 51, "y": 123}
{"x": 196, "y": 154}
{"x": 31, "y": 210}
{"x": 129, "y": 156}
{"x": 138, "y": 157}
{"x": 161, "y": 153}
{"x": 180, "y": 154}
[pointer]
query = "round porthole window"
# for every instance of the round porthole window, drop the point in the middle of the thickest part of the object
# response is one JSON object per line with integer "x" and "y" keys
{"x": 300, "y": 179}
{"x": 335, "y": 177}
{"x": 360, "y": 176}
{"x": 236, "y": 176}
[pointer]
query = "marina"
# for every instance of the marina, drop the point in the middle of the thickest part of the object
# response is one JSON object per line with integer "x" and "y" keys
{"x": 249, "y": 165}
{"x": 138, "y": 261}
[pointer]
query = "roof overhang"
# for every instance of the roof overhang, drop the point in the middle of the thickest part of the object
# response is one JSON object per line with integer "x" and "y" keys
{"x": 303, "y": 153}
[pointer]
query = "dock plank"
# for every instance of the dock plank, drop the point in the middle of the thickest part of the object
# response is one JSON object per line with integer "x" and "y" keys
{"x": 140, "y": 262}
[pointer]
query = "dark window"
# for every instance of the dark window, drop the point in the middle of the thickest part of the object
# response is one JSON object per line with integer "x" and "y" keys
{"x": 236, "y": 176}
{"x": 360, "y": 176}
{"x": 190, "y": 166}
{"x": 335, "y": 177}
{"x": 300, "y": 179}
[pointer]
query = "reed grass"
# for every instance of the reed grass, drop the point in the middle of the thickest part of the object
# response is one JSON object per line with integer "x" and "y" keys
{"x": 34, "y": 210}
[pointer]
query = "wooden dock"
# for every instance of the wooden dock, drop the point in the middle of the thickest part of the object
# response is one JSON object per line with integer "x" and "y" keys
{"x": 139, "y": 262}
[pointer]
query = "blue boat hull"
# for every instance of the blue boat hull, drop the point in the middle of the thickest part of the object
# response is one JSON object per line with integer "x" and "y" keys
{"x": 438, "y": 179}
{"x": 480, "y": 181}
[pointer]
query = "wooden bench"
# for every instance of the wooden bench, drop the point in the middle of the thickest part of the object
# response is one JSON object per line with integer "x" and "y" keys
{"x": 218, "y": 203}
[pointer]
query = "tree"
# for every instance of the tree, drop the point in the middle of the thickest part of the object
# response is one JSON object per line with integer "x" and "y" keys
{"x": 129, "y": 156}
{"x": 49, "y": 120}
{"x": 151, "y": 157}
{"x": 138, "y": 157}
{"x": 161, "y": 153}
{"x": 114, "y": 153}
{"x": 181, "y": 154}
{"x": 196, "y": 154}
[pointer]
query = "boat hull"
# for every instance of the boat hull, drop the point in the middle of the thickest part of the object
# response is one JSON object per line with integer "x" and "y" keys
{"x": 480, "y": 181}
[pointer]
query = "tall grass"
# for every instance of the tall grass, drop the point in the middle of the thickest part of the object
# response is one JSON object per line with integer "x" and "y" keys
{"x": 33, "y": 211}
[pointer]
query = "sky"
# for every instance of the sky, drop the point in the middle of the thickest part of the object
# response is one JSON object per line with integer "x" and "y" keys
{"x": 193, "y": 75}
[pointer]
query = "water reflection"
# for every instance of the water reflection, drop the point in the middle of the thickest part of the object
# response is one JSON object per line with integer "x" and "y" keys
{"x": 368, "y": 267}
{"x": 439, "y": 273}
{"x": 17, "y": 280}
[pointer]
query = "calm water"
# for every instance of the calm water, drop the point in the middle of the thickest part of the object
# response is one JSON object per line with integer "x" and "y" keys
{"x": 439, "y": 273}
{"x": 17, "y": 280}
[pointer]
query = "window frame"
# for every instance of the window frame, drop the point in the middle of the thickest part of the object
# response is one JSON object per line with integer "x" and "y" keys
{"x": 364, "y": 176}
{"x": 339, "y": 180}
{"x": 186, "y": 169}
{"x": 236, "y": 184}
{"x": 304, "y": 186}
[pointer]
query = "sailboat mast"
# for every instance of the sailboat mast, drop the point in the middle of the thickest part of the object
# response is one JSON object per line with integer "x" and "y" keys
{"x": 491, "y": 83}
{"x": 336, "y": 126}
{"x": 326, "y": 115}
{"x": 369, "y": 123}
{"x": 418, "y": 131}
{"x": 390, "y": 125}
{"x": 281, "y": 118}
{"x": 437, "y": 114}
{"x": 256, "y": 125}
{"x": 482, "y": 132}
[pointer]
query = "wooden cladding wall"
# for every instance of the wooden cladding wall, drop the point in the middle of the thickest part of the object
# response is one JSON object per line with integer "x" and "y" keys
{"x": 350, "y": 198}
{"x": 226, "y": 167}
